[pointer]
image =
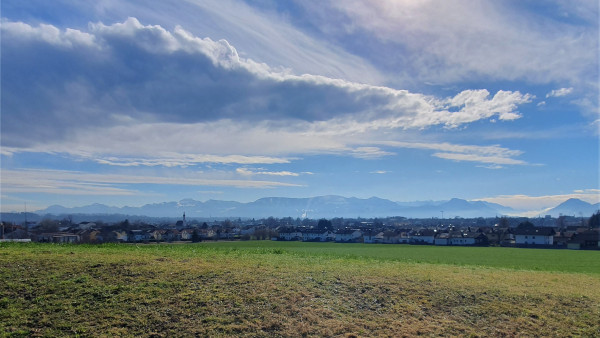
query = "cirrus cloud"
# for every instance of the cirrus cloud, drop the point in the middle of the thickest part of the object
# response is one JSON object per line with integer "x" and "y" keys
{"x": 560, "y": 92}
{"x": 445, "y": 42}
{"x": 68, "y": 182}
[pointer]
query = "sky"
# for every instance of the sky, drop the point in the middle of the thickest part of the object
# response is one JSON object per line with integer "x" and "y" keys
{"x": 136, "y": 102}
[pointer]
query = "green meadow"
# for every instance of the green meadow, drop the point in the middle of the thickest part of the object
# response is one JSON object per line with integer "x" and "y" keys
{"x": 264, "y": 288}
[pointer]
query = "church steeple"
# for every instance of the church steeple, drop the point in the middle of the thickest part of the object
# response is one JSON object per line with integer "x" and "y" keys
{"x": 184, "y": 223}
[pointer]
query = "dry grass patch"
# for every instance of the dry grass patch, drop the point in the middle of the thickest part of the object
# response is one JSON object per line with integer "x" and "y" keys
{"x": 128, "y": 291}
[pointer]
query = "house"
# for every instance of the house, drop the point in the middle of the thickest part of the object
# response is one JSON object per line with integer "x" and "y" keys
{"x": 467, "y": 238}
{"x": 59, "y": 237}
{"x": 227, "y": 233}
{"x": 16, "y": 234}
{"x": 186, "y": 234}
{"x": 373, "y": 237}
{"x": 138, "y": 236}
{"x": 347, "y": 235}
{"x": 207, "y": 234}
{"x": 90, "y": 236}
{"x": 315, "y": 235}
{"x": 172, "y": 235}
{"x": 589, "y": 240}
{"x": 534, "y": 236}
{"x": 562, "y": 238}
{"x": 248, "y": 231}
{"x": 442, "y": 239}
{"x": 395, "y": 237}
{"x": 289, "y": 234}
{"x": 424, "y": 236}
{"x": 495, "y": 237}
{"x": 158, "y": 235}
{"x": 121, "y": 235}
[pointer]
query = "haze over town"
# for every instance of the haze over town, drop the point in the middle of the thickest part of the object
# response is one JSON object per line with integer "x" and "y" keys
{"x": 127, "y": 104}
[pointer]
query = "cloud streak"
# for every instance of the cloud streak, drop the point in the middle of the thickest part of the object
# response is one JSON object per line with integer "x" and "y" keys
{"x": 494, "y": 154}
{"x": 528, "y": 202}
{"x": 67, "y": 182}
{"x": 560, "y": 92}
{"x": 252, "y": 172}
{"x": 459, "y": 41}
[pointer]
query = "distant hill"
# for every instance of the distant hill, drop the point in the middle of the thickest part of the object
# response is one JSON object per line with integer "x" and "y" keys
{"x": 459, "y": 207}
{"x": 574, "y": 207}
{"x": 313, "y": 207}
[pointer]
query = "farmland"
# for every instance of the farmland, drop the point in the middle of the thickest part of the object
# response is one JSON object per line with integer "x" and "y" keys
{"x": 262, "y": 288}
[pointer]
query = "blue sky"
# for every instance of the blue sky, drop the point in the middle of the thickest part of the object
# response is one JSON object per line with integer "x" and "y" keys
{"x": 128, "y": 103}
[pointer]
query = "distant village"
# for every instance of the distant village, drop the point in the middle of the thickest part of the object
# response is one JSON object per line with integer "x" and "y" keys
{"x": 564, "y": 232}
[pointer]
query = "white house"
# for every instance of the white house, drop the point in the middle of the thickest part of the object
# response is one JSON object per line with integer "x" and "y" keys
{"x": 289, "y": 234}
{"x": 462, "y": 238}
{"x": 534, "y": 236}
{"x": 137, "y": 236}
{"x": 317, "y": 235}
{"x": 59, "y": 237}
{"x": 442, "y": 239}
{"x": 121, "y": 236}
{"x": 399, "y": 236}
{"x": 425, "y": 236}
{"x": 347, "y": 235}
{"x": 186, "y": 234}
{"x": 373, "y": 237}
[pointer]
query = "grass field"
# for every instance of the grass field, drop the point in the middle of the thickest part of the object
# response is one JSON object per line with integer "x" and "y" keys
{"x": 293, "y": 289}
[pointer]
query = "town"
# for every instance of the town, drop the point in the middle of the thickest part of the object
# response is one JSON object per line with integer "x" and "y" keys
{"x": 564, "y": 232}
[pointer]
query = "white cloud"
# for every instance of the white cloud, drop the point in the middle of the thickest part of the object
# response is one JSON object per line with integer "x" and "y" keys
{"x": 379, "y": 172}
{"x": 251, "y": 172}
{"x": 369, "y": 152}
{"x": 185, "y": 160}
{"x": 527, "y": 202}
{"x": 445, "y": 42}
{"x": 478, "y": 158}
{"x": 47, "y": 33}
{"x": 560, "y": 92}
{"x": 268, "y": 37}
{"x": 192, "y": 94}
{"x": 491, "y": 166}
{"x": 341, "y": 97}
{"x": 66, "y": 182}
{"x": 493, "y": 154}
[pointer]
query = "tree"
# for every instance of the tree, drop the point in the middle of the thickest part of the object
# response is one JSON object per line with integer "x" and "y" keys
{"x": 594, "y": 221}
{"x": 503, "y": 222}
{"x": 124, "y": 224}
{"x": 49, "y": 225}
{"x": 271, "y": 222}
{"x": 324, "y": 224}
{"x": 525, "y": 225}
{"x": 196, "y": 236}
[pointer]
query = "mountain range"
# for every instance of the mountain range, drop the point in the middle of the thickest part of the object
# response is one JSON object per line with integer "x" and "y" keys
{"x": 321, "y": 207}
